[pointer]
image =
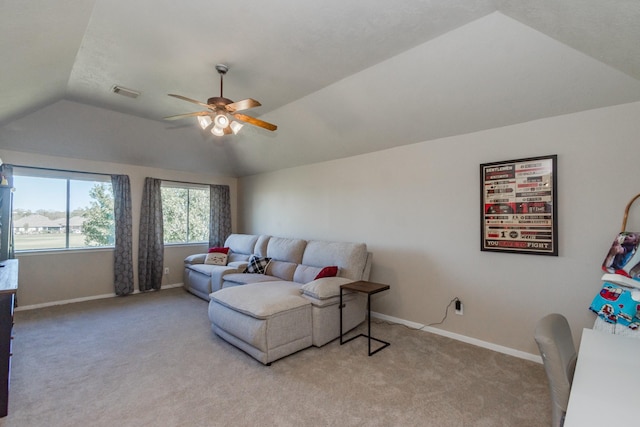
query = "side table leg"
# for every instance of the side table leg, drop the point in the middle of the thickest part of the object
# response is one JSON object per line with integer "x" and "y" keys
{"x": 369, "y": 321}
{"x": 340, "y": 308}
{"x": 384, "y": 343}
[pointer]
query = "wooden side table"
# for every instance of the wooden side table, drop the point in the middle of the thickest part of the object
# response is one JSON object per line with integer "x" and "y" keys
{"x": 368, "y": 288}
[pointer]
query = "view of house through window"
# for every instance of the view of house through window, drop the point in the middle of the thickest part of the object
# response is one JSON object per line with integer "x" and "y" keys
{"x": 60, "y": 210}
{"x": 185, "y": 211}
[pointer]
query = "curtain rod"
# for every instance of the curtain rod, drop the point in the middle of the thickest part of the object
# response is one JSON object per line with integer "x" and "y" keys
{"x": 187, "y": 182}
{"x": 105, "y": 174}
{"x": 58, "y": 170}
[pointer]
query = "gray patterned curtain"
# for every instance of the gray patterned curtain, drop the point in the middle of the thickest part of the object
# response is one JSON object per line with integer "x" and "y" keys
{"x": 123, "y": 254}
{"x": 151, "y": 244}
{"x": 220, "y": 226}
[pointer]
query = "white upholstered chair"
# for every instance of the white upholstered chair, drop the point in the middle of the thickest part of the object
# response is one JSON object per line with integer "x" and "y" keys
{"x": 555, "y": 342}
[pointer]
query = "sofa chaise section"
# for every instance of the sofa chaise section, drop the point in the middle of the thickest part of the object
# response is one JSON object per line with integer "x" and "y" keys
{"x": 267, "y": 322}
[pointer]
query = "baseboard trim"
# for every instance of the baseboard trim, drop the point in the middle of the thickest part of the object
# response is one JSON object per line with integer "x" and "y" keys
{"x": 391, "y": 319}
{"x": 473, "y": 341}
{"x": 91, "y": 298}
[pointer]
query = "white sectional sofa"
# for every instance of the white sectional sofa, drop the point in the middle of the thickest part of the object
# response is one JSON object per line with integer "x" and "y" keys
{"x": 285, "y": 309}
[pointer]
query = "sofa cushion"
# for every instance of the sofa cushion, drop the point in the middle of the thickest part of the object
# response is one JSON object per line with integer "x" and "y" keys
{"x": 236, "y": 258}
{"x": 241, "y": 243}
{"x": 257, "y": 265}
{"x": 216, "y": 258}
{"x": 261, "y": 301}
{"x": 289, "y": 250}
{"x": 240, "y": 265}
{"x": 351, "y": 258}
{"x": 327, "y": 287}
{"x": 261, "y": 245}
{"x": 306, "y": 273}
{"x": 282, "y": 269}
{"x": 208, "y": 269}
{"x": 242, "y": 279}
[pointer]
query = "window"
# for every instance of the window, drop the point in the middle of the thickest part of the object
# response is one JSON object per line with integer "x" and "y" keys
{"x": 61, "y": 210}
{"x": 185, "y": 212}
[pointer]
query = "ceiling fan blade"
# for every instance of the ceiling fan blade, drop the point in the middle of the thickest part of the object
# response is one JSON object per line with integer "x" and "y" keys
{"x": 182, "y": 116}
{"x": 184, "y": 98}
{"x": 255, "y": 122}
{"x": 244, "y": 104}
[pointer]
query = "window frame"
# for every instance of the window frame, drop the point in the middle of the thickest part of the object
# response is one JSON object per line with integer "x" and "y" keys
{"x": 68, "y": 176}
{"x": 187, "y": 186}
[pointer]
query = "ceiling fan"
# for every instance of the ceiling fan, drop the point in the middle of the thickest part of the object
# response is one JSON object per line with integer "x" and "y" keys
{"x": 221, "y": 112}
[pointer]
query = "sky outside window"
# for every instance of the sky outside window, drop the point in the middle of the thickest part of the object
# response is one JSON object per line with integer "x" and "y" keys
{"x": 34, "y": 193}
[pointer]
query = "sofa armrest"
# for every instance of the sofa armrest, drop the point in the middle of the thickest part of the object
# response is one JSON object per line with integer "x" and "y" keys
{"x": 239, "y": 265}
{"x": 327, "y": 287}
{"x": 218, "y": 273}
{"x": 195, "y": 259}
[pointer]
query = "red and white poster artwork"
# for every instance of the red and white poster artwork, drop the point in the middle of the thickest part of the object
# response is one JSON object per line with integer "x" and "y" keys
{"x": 518, "y": 206}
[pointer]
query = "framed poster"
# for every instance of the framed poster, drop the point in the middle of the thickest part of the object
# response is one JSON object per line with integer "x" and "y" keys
{"x": 518, "y": 206}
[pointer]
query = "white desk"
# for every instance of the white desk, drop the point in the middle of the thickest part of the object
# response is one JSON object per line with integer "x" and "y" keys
{"x": 605, "y": 382}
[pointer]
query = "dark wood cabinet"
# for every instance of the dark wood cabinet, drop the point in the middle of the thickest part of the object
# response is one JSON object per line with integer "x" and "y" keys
{"x": 8, "y": 288}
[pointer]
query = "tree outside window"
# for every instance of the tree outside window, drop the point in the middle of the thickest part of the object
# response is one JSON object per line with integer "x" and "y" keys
{"x": 99, "y": 224}
{"x": 185, "y": 211}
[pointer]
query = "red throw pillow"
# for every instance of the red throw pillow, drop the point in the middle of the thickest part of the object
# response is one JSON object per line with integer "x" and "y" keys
{"x": 328, "y": 272}
{"x": 221, "y": 250}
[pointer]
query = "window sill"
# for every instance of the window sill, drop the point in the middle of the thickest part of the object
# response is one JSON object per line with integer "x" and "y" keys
{"x": 31, "y": 252}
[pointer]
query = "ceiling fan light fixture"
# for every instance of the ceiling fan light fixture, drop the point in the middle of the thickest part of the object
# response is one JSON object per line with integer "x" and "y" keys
{"x": 204, "y": 121}
{"x": 235, "y": 127}
{"x": 221, "y": 120}
{"x": 217, "y": 131}
{"x": 220, "y": 112}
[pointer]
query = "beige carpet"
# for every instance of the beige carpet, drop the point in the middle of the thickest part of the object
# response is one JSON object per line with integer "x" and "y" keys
{"x": 152, "y": 360}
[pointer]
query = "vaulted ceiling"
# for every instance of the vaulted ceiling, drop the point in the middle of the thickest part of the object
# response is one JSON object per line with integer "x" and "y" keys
{"x": 339, "y": 78}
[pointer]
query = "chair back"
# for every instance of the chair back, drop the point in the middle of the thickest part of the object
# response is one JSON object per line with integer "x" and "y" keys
{"x": 555, "y": 342}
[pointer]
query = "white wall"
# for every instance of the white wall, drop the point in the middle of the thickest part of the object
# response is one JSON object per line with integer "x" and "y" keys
{"x": 417, "y": 208}
{"x": 56, "y": 276}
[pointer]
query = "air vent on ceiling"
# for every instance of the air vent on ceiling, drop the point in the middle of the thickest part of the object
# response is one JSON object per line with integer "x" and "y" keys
{"x": 125, "y": 92}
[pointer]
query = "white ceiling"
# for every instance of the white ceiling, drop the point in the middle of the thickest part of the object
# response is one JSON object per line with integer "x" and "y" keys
{"x": 338, "y": 78}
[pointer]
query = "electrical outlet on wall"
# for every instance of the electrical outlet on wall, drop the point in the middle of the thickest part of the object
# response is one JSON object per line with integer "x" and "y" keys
{"x": 459, "y": 307}
{"x": 166, "y": 270}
